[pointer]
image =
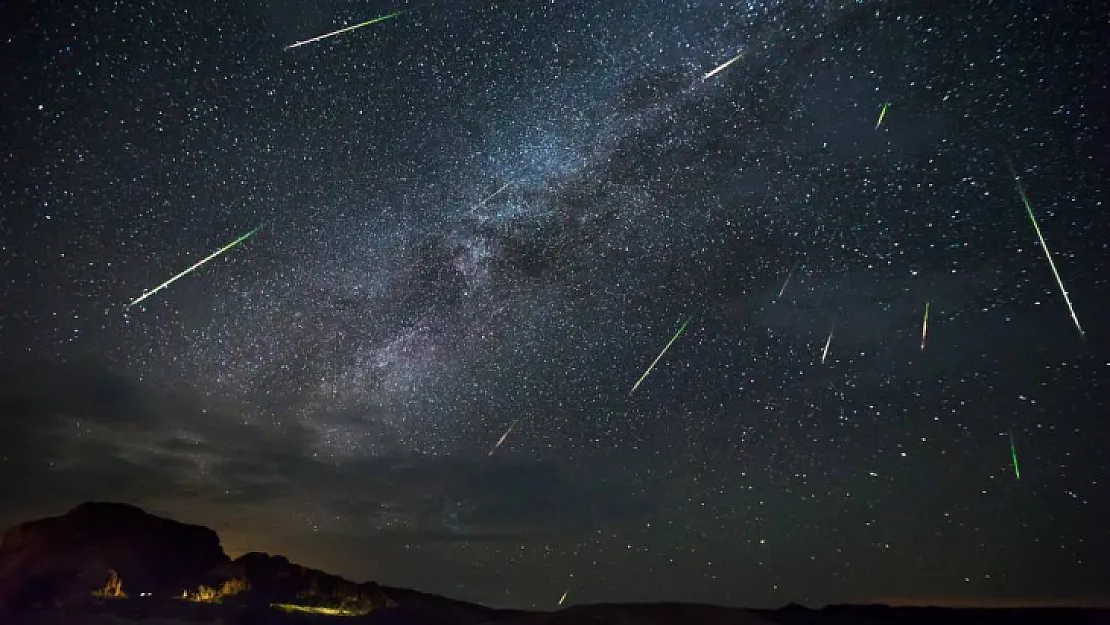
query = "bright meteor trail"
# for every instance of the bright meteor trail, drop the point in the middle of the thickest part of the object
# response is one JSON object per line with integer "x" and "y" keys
{"x": 503, "y": 437}
{"x": 925, "y": 326}
{"x": 660, "y": 356}
{"x": 195, "y": 266}
{"x": 1044, "y": 246}
{"x": 825, "y": 352}
{"x": 348, "y": 28}
{"x": 882, "y": 115}
{"x": 1013, "y": 456}
{"x": 720, "y": 68}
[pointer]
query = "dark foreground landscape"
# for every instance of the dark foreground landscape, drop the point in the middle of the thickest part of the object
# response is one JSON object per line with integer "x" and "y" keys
{"x": 114, "y": 564}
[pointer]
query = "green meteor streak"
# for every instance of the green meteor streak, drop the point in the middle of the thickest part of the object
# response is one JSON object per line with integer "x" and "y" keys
{"x": 195, "y": 266}
{"x": 882, "y": 115}
{"x": 349, "y": 28}
{"x": 1044, "y": 246}
{"x": 660, "y": 356}
{"x": 1013, "y": 456}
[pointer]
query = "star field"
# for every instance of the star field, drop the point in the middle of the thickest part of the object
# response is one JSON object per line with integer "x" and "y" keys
{"x": 484, "y": 215}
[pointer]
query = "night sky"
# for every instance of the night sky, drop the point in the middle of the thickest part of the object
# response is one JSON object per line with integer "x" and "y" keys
{"x": 331, "y": 388}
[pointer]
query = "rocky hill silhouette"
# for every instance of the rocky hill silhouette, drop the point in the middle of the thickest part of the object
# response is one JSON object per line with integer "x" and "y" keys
{"x": 99, "y": 552}
{"x": 63, "y": 559}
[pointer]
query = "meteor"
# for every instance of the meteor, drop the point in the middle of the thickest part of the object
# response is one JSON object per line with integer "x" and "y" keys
{"x": 882, "y": 115}
{"x": 1013, "y": 456}
{"x": 195, "y": 266}
{"x": 349, "y": 28}
{"x": 564, "y": 597}
{"x": 660, "y": 356}
{"x": 1044, "y": 246}
{"x": 720, "y": 68}
{"x": 503, "y": 437}
{"x": 786, "y": 282}
{"x": 825, "y": 352}
{"x": 491, "y": 196}
{"x": 925, "y": 326}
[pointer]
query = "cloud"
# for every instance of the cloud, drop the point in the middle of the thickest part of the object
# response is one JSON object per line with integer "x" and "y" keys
{"x": 109, "y": 438}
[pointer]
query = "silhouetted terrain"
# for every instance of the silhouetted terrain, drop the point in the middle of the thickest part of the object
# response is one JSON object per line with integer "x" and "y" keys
{"x": 114, "y": 564}
{"x": 884, "y": 615}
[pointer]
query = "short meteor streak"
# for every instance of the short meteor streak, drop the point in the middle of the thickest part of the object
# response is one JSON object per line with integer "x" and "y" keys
{"x": 925, "y": 326}
{"x": 660, "y": 356}
{"x": 1044, "y": 246}
{"x": 825, "y": 352}
{"x": 503, "y": 436}
{"x": 348, "y": 29}
{"x": 564, "y": 597}
{"x": 786, "y": 282}
{"x": 882, "y": 115}
{"x": 720, "y": 68}
{"x": 1013, "y": 456}
{"x": 194, "y": 267}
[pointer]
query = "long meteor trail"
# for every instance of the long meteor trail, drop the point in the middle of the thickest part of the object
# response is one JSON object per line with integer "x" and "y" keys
{"x": 825, "y": 352}
{"x": 1044, "y": 246}
{"x": 1013, "y": 456}
{"x": 194, "y": 267}
{"x": 720, "y": 68}
{"x": 347, "y": 29}
{"x": 925, "y": 326}
{"x": 674, "y": 338}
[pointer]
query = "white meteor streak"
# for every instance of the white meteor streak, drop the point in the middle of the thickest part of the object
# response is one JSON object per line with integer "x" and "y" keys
{"x": 347, "y": 29}
{"x": 720, "y": 68}
{"x": 491, "y": 196}
{"x": 193, "y": 268}
{"x": 660, "y": 356}
{"x": 925, "y": 327}
{"x": 825, "y": 352}
{"x": 783, "y": 289}
{"x": 1044, "y": 246}
{"x": 503, "y": 437}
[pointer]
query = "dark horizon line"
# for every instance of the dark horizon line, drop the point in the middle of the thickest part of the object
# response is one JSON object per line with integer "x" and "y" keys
{"x": 989, "y": 602}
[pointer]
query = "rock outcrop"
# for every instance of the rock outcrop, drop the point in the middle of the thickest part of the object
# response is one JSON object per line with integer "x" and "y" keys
{"x": 66, "y": 558}
{"x": 99, "y": 551}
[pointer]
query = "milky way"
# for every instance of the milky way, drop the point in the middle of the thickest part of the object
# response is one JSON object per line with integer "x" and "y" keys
{"x": 487, "y": 218}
